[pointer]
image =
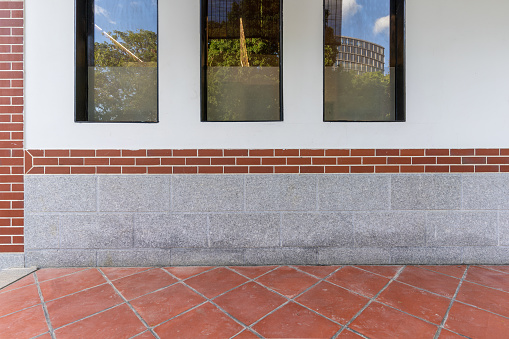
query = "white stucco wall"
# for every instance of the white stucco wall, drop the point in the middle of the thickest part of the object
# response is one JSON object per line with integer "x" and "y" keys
{"x": 457, "y": 83}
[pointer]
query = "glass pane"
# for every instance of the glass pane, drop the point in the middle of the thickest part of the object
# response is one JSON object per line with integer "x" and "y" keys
{"x": 359, "y": 81}
{"x": 123, "y": 72}
{"x": 242, "y": 70}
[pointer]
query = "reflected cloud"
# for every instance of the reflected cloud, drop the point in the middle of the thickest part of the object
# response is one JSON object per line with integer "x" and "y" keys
{"x": 382, "y": 25}
{"x": 350, "y": 8}
{"x": 98, "y": 10}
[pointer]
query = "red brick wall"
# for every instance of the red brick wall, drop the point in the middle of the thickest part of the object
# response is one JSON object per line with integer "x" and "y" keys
{"x": 11, "y": 126}
{"x": 266, "y": 161}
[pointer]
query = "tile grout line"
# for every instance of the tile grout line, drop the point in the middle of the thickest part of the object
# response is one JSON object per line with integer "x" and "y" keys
{"x": 292, "y": 299}
{"x": 369, "y": 302}
{"x": 249, "y": 327}
{"x": 441, "y": 326}
{"x": 44, "y": 308}
{"x": 128, "y": 304}
{"x": 208, "y": 300}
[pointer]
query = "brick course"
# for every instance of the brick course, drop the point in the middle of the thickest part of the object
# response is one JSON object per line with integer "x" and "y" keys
{"x": 265, "y": 161}
{"x": 11, "y": 126}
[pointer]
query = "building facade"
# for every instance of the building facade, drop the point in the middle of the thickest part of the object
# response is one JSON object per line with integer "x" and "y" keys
{"x": 431, "y": 190}
{"x": 360, "y": 56}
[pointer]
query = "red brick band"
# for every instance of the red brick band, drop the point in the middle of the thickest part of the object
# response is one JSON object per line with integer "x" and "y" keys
{"x": 11, "y": 126}
{"x": 221, "y": 161}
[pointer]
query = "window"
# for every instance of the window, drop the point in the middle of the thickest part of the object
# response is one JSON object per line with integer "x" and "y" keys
{"x": 241, "y": 60}
{"x": 375, "y": 92}
{"x": 116, "y": 61}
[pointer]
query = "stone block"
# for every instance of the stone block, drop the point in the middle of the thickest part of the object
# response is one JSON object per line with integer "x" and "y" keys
{"x": 244, "y": 230}
{"x": 206, "y": 257}
{"x": 492, "y": 255}
{"x": 322, "y": 229}
{"x": 486, "y": 191}
{"x": 281, "y": 192}
{"x": 353, "y": 192}
{"x": 133, "y": 258}
{"x": 207, "y": 193}
{"x": 354, "y": 256}
{"x": 503, "y": 227}
{"x": 12, "y": 260}
{"x": 133, "y": 193}
{"x": 60, "y": 258}
{"x": 426, "y": 255}
{"x": 60, "y": 193}
{"x": 170, "y": 230}
{"x": 460, "y": 228}
{"x": 42, "y": 231}
{"x": 281, "y": 256}
{"x": 101, "y": 231}
{"x": 426, "y": 192}
{"x": 389, "y": 229}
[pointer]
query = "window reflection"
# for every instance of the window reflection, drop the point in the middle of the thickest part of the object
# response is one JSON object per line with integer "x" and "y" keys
{"x": 242, "y": 60}
{"x": 122, "y": 71}
{"x": 359, "y": 77}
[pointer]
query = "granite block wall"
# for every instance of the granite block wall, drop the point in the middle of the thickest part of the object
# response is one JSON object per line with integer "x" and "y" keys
{"x": 249, "y": 219}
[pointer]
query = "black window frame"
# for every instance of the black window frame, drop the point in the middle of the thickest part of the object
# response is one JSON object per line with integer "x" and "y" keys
{"x": 203, "y": 61}
{"x": 397, "y": 60}
{"x": 84, "y": 58}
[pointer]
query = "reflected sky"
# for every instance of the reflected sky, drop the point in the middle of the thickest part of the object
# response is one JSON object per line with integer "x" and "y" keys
{"x": 368, "y": 20}
{"x": 124, "y": 15}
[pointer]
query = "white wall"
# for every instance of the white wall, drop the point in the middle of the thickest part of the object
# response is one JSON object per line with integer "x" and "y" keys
{"x": 457, "y": 88}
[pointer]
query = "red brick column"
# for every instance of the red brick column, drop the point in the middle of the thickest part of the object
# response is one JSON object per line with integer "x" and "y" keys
{"x": 11, "y": 126}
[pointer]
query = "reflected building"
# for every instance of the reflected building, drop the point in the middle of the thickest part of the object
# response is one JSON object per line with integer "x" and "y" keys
{"x": 360, "y": 56}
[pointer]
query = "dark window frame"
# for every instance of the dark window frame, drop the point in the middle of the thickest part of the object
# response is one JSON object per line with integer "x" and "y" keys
{"x": 397, "y": 60}
{"x": 84, "y": 58}
{"x": 203, "y": 61}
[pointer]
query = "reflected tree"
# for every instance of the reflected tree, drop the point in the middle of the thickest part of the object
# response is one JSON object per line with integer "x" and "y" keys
{"x": 125, "y": 89}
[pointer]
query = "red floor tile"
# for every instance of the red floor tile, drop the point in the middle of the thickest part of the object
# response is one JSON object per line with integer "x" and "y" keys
{"x": 203, "y": 321}
{"x": 476, "y": 323}
{"x": 118, "y": 322}
{"x": 487, "y": 298}
{"x": 167, "y": 303}
{"x": 501, "y": 268}
{"x": 287, "y": 281}
{"x": 445, "y": 334}
{"x": 295, "y": 321}
{"x": 333, "y": 302}
{"x": 249, "y": 302}
{"x": 346, "y": 334}
{"x": 430, "y": 281}
{"x": 24, "y": 324}
{"x": 45, "y": 336}
{"x": 52, "y": 273}
{"x": 144, "y": 335}
{"x": 28, "y": 280}
{"x": 379, "y": 321}
{"x": 187, "y": 271}
{"x": 83, "y": 304}
{"x": 253, "y": 271}
{"x": 386, "y": 271}
{"x": 19, "y": 299}
{"x": 359, "y": 281}
{"x": 246, "y": 334}
{"x": 216, "y": 282}
{"x": 114, "y": 273}
{"x": 452, "y": 270}
{"x": 422, "y": 304}
{"x": 318, "y": 271}
{"x": 142, "y": 283}
{"x": 56, "y": 288}
{"x": 488, "y": 278}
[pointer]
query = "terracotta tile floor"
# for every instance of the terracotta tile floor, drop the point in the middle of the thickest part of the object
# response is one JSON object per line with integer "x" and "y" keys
{"x": 259, "y": 302}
